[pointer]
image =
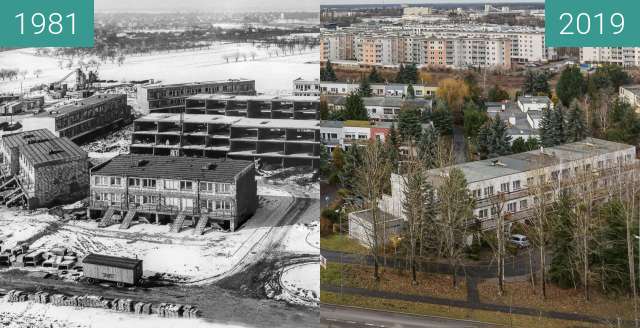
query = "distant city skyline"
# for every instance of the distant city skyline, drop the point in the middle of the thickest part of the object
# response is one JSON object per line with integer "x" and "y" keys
{"x": 206, "y": 5}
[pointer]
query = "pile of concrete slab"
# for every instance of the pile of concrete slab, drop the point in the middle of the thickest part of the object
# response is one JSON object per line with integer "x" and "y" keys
{"x": 93, "y": 301}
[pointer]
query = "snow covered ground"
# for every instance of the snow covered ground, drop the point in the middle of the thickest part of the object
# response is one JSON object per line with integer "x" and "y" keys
{"x": 273, "y": 74}
{"x": 302, "y": 283}
{"x": 28, "y": 314}
{"x": 182, "y": 254}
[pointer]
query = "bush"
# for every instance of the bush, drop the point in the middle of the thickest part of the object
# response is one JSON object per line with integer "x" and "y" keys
{"x": 326, "y": 227}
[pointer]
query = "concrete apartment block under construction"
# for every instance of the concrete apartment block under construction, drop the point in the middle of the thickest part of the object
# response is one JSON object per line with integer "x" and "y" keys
{"x": 270, "y": 142}
{"x": 267, "y": 107}
{"x": 40, "y": 169}
{"x": 202, "y": 193}
{"x": 82, "y": 117}
{"x": 170, "y": 98}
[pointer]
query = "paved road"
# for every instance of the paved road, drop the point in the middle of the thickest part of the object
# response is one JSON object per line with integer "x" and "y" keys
{"x": 332, "y": 316}
{"x": 459, "y": 146}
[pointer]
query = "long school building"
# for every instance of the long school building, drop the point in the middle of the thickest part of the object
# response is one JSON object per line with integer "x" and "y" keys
{"x": 170, "y": 98}
{"x": 82, "y": 117}
{"x": 198, "y": 192}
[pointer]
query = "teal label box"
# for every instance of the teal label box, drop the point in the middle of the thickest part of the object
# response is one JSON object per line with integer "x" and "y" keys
{"x": 46, "y": 23}
{"x": 592, "y": 23}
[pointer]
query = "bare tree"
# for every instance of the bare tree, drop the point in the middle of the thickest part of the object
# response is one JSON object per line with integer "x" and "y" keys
{"x": 541, "y": 192}
{"x": 498, "y": 245}
{"x": 455, "y": 211}
{"x": 370, "y": 181}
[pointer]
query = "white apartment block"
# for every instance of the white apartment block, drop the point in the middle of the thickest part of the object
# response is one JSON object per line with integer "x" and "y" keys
{"x": 625, "y": 57}
{"x": 378, "y": 89}
{"x": 630, "y": 94}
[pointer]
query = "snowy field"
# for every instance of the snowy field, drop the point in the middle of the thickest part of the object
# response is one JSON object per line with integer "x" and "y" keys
{"x": 183, "y": 254}
{"x": 28, "y": 314}
{"x": 302, "y": 282}
{"x": 273, "y": 74}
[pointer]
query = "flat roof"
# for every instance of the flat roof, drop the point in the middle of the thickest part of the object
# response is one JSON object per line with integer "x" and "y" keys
{"x": 173, "y": 167}
{"x": 54, "y": 150}
{"x": 199, "y": 83}
{"x": 534, "y": 99}
{"x": 332, "y": 124}
{"x": 80, "y": 104}
{"x": 25, "y": 137}
{"x": 226, "y": 97}
{"x": 235, "y": 121}
{"x": 112, "y": 261}
{"x": 533, "y": 160}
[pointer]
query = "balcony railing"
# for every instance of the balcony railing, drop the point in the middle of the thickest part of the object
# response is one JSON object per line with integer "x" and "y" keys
{"x": 213, "y": 213}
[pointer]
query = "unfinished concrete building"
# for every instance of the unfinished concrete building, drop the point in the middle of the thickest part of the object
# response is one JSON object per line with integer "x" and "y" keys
{"x": 202, "y": 193}
{"x": 267, "y": 107}
{"x": 271, "y": 142}
{"x": 170, "y": 98}
{"x": 82, "y": 117}
{"x": 40, "y": 169}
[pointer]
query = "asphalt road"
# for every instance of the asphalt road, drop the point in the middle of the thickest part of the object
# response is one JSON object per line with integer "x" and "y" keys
{"x": 332, "y": 316}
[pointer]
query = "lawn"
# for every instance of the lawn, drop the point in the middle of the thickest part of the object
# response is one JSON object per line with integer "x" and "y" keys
{"x": 511, "y": 320}
{"x": 520, "y": 293}
{"x": 392, "y": 280}
{"x": 342, "y": 243}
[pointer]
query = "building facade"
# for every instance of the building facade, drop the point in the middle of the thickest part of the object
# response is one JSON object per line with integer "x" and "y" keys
{"x": 306, "y": 88}
{"x": 263, "y": 107}
{"x": 43, "y": 170}
{"x": 378, "y": 89}
{"x": 198, "y": 192}
{"x": 272, "y": 142}
{"x": 82, "y": 117}
{"x": 170, "y": 98}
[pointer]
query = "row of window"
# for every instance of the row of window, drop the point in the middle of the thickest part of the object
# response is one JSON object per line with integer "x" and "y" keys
{"x": 182, "y": 185}
{"x": 512, "y": 207}
{"x": 175, "y": 202}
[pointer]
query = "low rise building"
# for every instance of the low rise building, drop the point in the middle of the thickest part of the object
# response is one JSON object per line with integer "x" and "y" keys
{"x": 199, "y": 192}
{"x": 273, "y": 142}
{"x": 384, "y": 109}
{"x": 170, "y": 98}
{"x": 82, "y": 117}
{"x": 522, "y": 117}
{"x": 379, "y": 89}
{"x": 516, "y": 176}
{"x": 43, "y": 170}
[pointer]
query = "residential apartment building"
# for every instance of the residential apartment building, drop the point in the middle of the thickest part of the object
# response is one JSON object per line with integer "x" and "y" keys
{"x": 622, "y": 56}
{"x": 82, "y": 117}
{"x": 379, "y": 89}
{"x": 272, "y": 142}
{"x": 198, "y": 192}
{"x": 264, "y": 107}
{"x": 337, "y": 46}
{"x": 41, "y": 169}
{"x": 514, "y": 176}
{"x": 170, "y": 98}
{"x": 306, "y": 88}
{"x": 384, "y": 109}
{"x": 456, "y": 46}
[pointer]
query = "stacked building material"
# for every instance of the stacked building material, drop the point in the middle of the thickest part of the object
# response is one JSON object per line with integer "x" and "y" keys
{"x": 142, "y": 308}
{"x": 190, "y": 311}
{"x": 123, "y": 305}
{"x": 90, "y": 301}
{"x": 58, "y": 299}
{"x": 16, "y": 296}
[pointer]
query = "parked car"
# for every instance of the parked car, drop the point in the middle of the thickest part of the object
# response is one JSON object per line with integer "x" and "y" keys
{"x": 520, "y": 240}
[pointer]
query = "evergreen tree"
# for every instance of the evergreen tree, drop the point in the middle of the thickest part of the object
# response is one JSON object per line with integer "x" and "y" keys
{"x": 559, "y": 126}
{"x": 561, "y": 270}
{"x": 324, "y": 109}
{"x": 400, "y": 77}
{"x": 391, "y": 146}
{"x": 428, "y": 148}
{"x": 546, "y": 128}
{"x": 571, "y": 85}
{"x": 411, "y": 94}
{"x": 493, "y": 139}
{"x": 352, "y": 160}
{"x": 411, "y": 74}
{"x": 518, "y": 145}
{"x": 409, "y": 124}
{"x": 327, "y": 73}
{"x": 442, "y": 119}
{"x": 576, "y": 125}
{"x": 473, "y": 119}
{"x": 365, "y": 88}
{"x": 532, "y": 144}
{"x": 374, "y": 76}
{"x": 354, "y": 108}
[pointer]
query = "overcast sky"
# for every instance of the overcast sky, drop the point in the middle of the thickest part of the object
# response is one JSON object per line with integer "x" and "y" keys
{"x": 207, "y": 5}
